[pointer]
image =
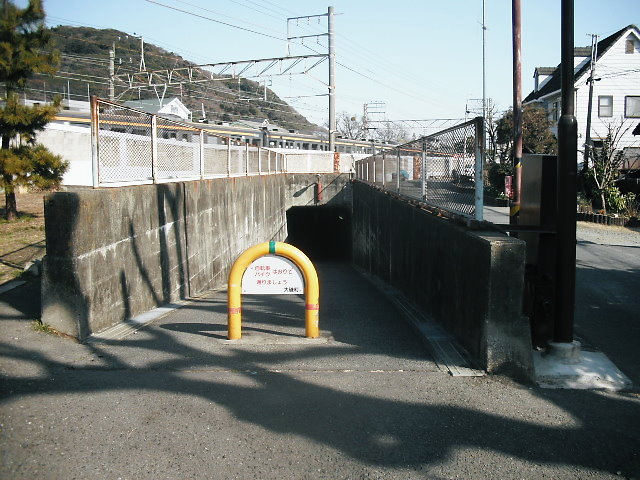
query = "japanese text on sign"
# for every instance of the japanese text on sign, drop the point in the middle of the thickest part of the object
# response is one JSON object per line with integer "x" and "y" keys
{"x": 272, "y": 274}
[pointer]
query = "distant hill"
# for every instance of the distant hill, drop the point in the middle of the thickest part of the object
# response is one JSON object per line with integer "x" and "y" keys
{"x": 85, "y": 63}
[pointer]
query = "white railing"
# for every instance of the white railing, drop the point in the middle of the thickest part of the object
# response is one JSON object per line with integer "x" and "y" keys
{"x": 132, "y": 147}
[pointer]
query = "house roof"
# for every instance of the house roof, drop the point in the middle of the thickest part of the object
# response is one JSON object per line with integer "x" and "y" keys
{"x": 153, "y": 105}
{"x": 545, "y": 70}
{"x": 553, "y": 84}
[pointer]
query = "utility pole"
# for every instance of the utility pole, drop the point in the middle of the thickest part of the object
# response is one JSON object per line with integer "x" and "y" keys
{"x": 112, "y": 72}
{"x": 591, "y": 79}
{"x": 332, "y": 68}
{"x": 332, "y": 82}
{"x": 143, "y": 66}
{"x": 484, "y": 76}
{"x": 565, "y": 281}
{"x": 517, "y": 110}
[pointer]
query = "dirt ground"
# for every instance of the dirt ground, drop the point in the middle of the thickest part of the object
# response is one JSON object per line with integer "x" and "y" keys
{"x": 21, "y": 240}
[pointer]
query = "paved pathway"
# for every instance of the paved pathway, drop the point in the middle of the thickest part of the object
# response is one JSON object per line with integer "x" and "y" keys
{"x": 175, "y": 401}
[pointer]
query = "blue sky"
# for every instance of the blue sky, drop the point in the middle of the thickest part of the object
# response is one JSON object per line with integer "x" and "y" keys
{"x": 422, "y": 59}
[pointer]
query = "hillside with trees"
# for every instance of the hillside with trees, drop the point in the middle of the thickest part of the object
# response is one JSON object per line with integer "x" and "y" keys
{"x": 84, "y": 69}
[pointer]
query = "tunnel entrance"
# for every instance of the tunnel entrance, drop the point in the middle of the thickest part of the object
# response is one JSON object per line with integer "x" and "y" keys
{"x": 323, "y": 233}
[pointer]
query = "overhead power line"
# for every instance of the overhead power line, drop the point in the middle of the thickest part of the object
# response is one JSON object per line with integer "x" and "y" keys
{"x": 214, "y": 20}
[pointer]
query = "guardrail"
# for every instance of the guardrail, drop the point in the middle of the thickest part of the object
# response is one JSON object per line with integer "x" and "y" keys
{"x": 443, "y": 169}
{"x": 133, "y": 147}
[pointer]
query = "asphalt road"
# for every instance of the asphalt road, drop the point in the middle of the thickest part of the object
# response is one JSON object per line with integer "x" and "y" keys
{"x": 608, "y": 293}
{"x": 176, "y": 401}
{"x": 440, "y": 192}
{"x": 607, "y": 315}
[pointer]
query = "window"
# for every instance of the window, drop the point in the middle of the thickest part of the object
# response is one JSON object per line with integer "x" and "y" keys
{"x": 632, "y": 107}
{"x": 555, "y": 112}
{"x": 630, "y": 45}
{"x": 605, "y": 106}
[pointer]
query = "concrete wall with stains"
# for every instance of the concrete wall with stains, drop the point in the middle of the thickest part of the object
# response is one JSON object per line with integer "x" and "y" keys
{"x": 115, "y": 253}
{"x": 469, "y": 281}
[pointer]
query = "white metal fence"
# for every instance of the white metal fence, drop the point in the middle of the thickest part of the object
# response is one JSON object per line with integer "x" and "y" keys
{"x": 132, "y": 147}
{"x": 443, "y": 169}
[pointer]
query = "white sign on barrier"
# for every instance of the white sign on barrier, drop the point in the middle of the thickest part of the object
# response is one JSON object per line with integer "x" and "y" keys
{"x": 272, "y": 274}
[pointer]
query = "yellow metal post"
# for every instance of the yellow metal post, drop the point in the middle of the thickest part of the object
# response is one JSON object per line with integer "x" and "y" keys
{"x": 311, "y": 286}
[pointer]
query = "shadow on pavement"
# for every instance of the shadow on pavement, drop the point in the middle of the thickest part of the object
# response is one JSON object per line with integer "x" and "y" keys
{"x": 413, "y": 421}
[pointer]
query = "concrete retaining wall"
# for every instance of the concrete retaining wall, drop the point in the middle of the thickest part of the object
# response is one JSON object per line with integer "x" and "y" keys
{"x": 115, "y": 253}
{"x": 471, "y": 282}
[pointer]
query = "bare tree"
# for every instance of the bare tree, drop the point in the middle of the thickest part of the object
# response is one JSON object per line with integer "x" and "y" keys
{"x": 491, "y": 127}
{"x": 389, "y": 131}
{"x": 606, "y": 161}
{"x": 350, "y": 126}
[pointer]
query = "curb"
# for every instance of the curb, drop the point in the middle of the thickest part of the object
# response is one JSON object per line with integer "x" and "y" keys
{"x": 5, "y": 287}
{"x": 607, "y": 219}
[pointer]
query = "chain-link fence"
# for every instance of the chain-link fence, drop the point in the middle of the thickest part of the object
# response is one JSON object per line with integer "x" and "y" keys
{"x": 134, "y": 147}
{"x": 443, "y": 169}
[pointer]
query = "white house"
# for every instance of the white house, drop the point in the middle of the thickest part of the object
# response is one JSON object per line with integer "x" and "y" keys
{"x": 171, "y": 107}
{"x": 616, "y": 89}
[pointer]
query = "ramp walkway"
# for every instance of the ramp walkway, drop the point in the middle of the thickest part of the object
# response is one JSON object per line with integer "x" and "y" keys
{"x": 360, "y": 328}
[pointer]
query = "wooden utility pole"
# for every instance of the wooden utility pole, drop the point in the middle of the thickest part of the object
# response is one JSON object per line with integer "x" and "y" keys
{"x": 517, "y": 110}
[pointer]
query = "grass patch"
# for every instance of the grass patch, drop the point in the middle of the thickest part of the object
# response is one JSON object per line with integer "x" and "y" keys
{"x": 22, "y": 240}
{"x": 41, "y": 327}
{"x": 38, "y": 326}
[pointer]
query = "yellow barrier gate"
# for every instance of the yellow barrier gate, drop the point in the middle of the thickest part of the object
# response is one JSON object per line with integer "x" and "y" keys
{"x": 311, "y": 286}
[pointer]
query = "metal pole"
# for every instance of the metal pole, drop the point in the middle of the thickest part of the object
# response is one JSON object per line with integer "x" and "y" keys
{"x": 228, "y": 156}
{"x": 373, "y": 160}
{"x": 479, "y": 180}
{"x": 517, "y": 111}
{"x": 246, "y": 158}
{"x": 154, "y": 147}
{"x": 398, "y": 172}
{"x": 201, "y": 156}
{"x": 332, "y": 83}
{"x": 423, "y": 169}
{"x": 112, "y": 73}
{"x": 383, "y": 170}
{"x": 587, "y": 137}
{"x": 565, "y": 283}
{"x": 484, "y": 69}
{"x": 95, "y": 118}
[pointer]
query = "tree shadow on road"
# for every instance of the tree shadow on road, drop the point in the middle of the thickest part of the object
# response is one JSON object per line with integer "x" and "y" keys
{"x": 382, "y": 422}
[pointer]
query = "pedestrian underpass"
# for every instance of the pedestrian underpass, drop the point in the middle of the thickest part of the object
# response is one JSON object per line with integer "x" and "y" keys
{"x": 114, "y": 254}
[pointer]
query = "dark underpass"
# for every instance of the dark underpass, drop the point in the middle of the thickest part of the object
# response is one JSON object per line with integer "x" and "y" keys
{"x": 323, "y": 233}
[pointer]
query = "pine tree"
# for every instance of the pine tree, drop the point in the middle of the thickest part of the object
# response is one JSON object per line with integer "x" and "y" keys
{"x": 25, "y": 49}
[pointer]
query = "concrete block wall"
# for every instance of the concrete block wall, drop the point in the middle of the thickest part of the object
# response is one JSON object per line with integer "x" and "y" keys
{"x": 115, "y": 253}
{"x": 471, "y": 282}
